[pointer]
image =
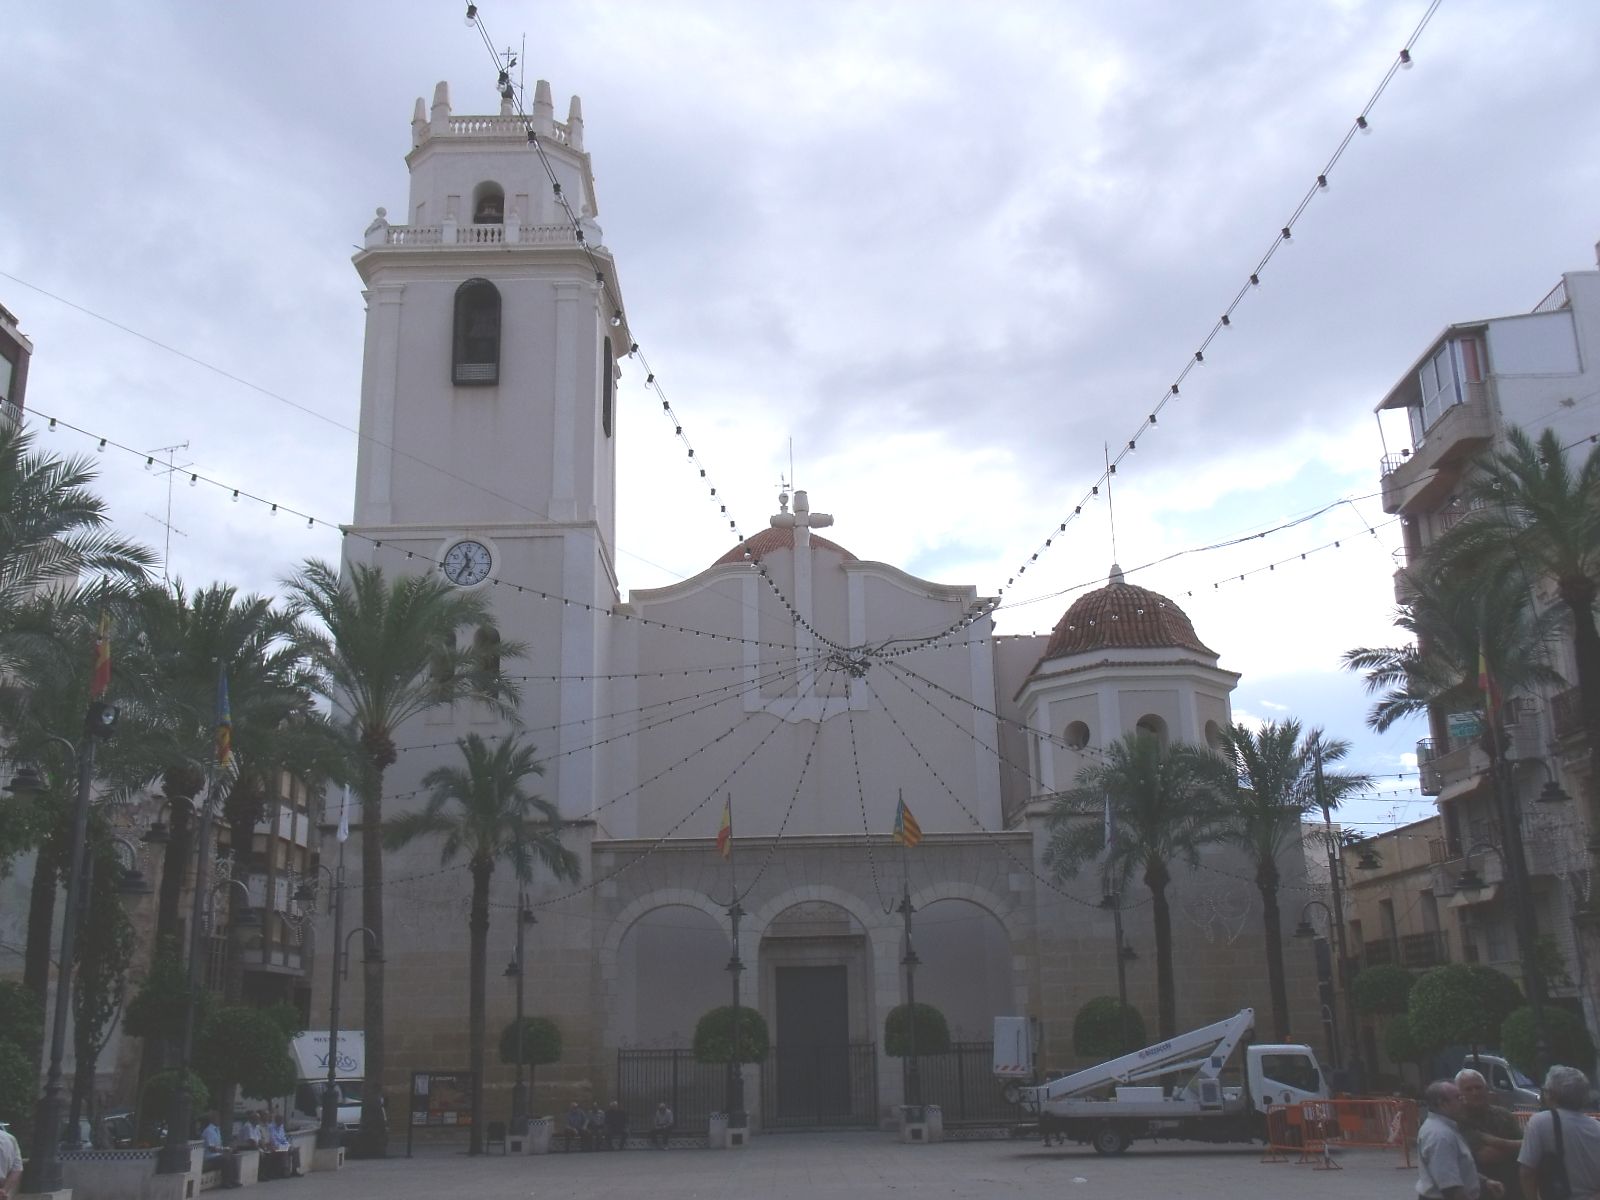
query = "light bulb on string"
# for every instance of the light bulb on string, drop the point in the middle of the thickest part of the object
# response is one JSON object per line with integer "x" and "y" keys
{"x": 1361, "y": 124}
{"x": 471, "y": 17}
{"x": 1405, "y": 60}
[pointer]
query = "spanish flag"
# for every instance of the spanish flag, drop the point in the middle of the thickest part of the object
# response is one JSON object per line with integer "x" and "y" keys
{"x": 224, "y": 722}
{"x": 100, "y": 680}
{"x": 1487, "y": 684}
{"x": 725, "y": 829}
{"x": 906, "y": 830}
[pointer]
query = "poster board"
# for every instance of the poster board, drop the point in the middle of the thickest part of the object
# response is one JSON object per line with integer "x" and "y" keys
{"x": 439, "y": 1100}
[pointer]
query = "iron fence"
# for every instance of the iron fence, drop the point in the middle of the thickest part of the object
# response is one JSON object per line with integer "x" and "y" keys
{"x": 693, "y": 1090}
{"x": 962, "y": 1083}
{"x": 820, "y": 1085}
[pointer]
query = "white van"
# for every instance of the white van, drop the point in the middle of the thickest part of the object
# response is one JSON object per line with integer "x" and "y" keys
{"x": 1509, "y": 1087}
{"x": 311, "y": 1051}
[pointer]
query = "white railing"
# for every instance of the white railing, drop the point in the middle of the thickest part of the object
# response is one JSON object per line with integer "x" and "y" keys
{"x": 501, "y": 127}
{"x": 447, "y": 235}
{"x": 1557, "y": 299}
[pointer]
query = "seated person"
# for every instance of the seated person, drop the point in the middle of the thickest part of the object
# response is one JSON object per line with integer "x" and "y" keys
{"x": 597, "y": 1129}
{"x": 284, "y": 1155}
{"x": 217, "y": 1156}
{"x": 576, "y": 1127}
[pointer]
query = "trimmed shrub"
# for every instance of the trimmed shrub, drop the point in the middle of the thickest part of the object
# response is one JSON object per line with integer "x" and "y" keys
{"x": 933, "y": 1031}
{"x": 1107, "y": 1028}
{"x": 1382, "y": 991}
{"x": 541, "y": 1042}
{"x": 1567, "y": 1039}
{"x": 713, "y": 1036}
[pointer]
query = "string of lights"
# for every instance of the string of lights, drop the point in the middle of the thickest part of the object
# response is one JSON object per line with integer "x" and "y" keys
{"x": 722, "y": 693}
{"x": 1361, "y": 124}
{"x": 861, "y": 800}
{"x": 783, "y": 824}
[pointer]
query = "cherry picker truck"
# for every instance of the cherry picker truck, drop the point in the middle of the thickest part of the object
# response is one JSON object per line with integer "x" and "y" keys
{"x": 1110, "y": 1105}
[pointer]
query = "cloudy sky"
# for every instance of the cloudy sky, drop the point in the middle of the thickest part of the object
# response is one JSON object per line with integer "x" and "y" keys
{"x": 948, "y": 251}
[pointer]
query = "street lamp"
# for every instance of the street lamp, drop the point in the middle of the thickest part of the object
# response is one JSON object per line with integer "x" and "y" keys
{"x": 43, "y": 1172}
{"x": 735, "y": 1098}
{"x": 519, "y": 1093}
{"x": 1515, "y": 868}
{"x": 174, "y": 1156}
{"x": 1125, "y": 955}
{"x": 328, "y": 1136}
{"x": 1325, "y": 996}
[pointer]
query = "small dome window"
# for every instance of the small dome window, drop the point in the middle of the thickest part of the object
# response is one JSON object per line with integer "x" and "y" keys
{"x": 1076, "y": 736}
{"x": 1214, "y": 736}
{"x": 476, "y": 357}
{"x": 488, "y": 204}
{"x": 1152, "y": 726}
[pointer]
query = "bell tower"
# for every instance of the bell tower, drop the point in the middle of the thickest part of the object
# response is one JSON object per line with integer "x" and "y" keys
{"x": 488, "y": 423}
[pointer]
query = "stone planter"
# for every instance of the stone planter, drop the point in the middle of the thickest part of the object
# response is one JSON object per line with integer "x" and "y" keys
{"x": 537, "y": 1140}
{"x": 913, "y": 1124}
{"x": 717, "y": 1134}
{"x": 935, "y": 1118}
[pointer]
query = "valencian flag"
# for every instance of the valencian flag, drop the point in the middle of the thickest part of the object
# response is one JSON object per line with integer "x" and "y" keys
{"x": 725, "y": 829}
{"x": 100, "y": 680}
{"x": 224, "y": 722}
{"x": 906, "y": 830}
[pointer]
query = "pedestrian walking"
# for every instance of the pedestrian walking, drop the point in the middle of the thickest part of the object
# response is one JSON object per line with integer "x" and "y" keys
{"x": 1560, "y": 1155}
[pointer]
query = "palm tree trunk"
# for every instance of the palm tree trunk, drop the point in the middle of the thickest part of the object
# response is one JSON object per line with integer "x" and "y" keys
{"x": 1272, "y": 927}
{"x": 1156, "y": 879}
{"x": 41, "y": 919}
{"x": 1579, "y": 599}
{"x": 374, "y": 1125}
{"x": 478, "y": 998}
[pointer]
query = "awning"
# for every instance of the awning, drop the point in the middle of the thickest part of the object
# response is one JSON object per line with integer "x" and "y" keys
{"x": 1481, "y": 895}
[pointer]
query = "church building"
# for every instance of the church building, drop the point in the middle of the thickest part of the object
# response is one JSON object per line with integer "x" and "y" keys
{"x": 804, "y": 690}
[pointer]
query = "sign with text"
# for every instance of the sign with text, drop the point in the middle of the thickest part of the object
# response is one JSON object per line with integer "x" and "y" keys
{"x": 1464, "y": 725}
{"x": 441, "y": 1098}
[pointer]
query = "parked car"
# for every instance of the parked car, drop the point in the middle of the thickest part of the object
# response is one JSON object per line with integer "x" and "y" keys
{"x": 1509, "y": 1087}
{"x": 116, "y": 1132}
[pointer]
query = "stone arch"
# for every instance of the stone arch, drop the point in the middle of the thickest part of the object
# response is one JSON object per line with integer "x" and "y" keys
{"x": 1153, "y": 726}
{"x": 1076, "y": 735}
{"x": 488, "y": 203}
{"x": 967, "y": 970}
{"x": 659, "y": 976}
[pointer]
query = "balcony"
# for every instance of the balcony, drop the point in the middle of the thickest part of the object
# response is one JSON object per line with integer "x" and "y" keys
{"x": 1566, "y": 714}
{"x": 1445, "y": 769}
{"x": 1424, "y": 479}
{"x": 1414, "y": 951}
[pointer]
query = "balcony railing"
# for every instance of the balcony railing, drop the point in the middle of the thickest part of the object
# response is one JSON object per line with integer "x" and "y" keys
{"x": 1415, "y": 951}
{"x": 1566, "y": 713}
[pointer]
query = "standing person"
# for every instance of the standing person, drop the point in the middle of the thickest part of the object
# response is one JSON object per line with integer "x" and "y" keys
{"x": 10, "y": 1165}
{"x": 661, "y": 1125}
{"x": 1563, "y": 1129}
{"x": 1445, "y": 1170}
{"x": 577, "y": 1122}
{"x": 616, "y": 1126}
{"x": 1492, "y": 1133}
{"x": 598, "y": 1138}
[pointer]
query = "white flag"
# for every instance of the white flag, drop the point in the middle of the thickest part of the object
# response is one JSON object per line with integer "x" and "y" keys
{"x": 344, "y": 815}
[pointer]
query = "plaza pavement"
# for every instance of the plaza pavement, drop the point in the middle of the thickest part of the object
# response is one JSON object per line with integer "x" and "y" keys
{"x": 835, "y": 1166}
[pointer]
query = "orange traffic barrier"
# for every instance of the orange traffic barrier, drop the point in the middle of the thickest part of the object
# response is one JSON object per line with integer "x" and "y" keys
{"x": 1313, "y": 1128}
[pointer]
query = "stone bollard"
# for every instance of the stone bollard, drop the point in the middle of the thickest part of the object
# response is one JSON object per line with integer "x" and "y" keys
{"x": 935, "y": 1116}
{"x": 913, "y": 1123}
{"x": 539, "y": 1130}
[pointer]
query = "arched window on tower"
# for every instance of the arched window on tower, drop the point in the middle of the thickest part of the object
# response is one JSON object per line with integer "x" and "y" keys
{"x": 486, "y": 652}
{"x": 608, "y": 369}
{"x": 488, "y": 204}
{"x": 476, "y": 357}
{"x": 1153, "y": 726}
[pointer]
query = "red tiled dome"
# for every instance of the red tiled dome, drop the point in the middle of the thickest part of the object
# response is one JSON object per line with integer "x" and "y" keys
{"x": 1123, "y": 616}
{"x": 770, "y": 539}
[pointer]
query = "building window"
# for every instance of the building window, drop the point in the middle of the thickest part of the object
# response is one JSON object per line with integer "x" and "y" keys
{"x": 486, "y": 651}
{"x": 607, "y": 386}
{"x": 1077, "y": 735}
{"x": 476, "y": 358}
{"x": 488, "y": 204}
{"x": 1151, "y": 725}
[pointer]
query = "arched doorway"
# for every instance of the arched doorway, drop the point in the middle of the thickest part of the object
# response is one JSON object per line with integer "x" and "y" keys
{"x": 671, "y": 971}
{"x": 816, "y": 984}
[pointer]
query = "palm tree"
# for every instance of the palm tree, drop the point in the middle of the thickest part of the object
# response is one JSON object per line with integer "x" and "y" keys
{"x": 492, "y": 819}
{"x": 388, "y": 651}
{"x": 53, "y": 530}
{"x": 1531, "y": 515}
{"x": 1459, "y": 621}
{"x": 1158, "y": 804}
{"x": 1267, "y": 785}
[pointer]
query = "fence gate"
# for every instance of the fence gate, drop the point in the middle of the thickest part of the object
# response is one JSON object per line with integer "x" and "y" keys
{"x": 693, "y": 1090}
{"x": 820, "y": 1085}
{"x": 961, "y": 1081}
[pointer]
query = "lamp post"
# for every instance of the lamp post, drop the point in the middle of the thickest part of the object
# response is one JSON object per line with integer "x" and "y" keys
{"x": 735, "y": 1098}
{"x": 1124, "y": 954}
{"x": 910, "y": 961}
{"x": 174, "y": 1156}
{"x": 1325, "y": 998}
{"x": 1336, "y": 883}
{"x": 43, "y": 1172}
{"x": 328, "y": 1131}
{"x": 515, "y": 970}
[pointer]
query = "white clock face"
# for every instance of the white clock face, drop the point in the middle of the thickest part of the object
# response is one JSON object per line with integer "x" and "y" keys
{"x": 467, "y": 563}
